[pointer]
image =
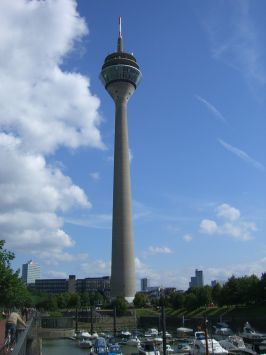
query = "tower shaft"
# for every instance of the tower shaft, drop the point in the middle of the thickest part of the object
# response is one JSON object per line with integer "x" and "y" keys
{"x": 123, "y": 265}
{"x": 120, "y": 76}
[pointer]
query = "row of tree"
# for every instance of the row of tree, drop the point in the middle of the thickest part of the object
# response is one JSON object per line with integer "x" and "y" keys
{"x": 242, "y": 290}
{"x": 13, "y": 292}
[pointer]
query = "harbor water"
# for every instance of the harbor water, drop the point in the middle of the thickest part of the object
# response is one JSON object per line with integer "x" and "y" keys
{"x": 70, "y": 347}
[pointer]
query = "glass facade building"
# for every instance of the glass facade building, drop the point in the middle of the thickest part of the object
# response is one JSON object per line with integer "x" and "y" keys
{"x": 31, "y": 272}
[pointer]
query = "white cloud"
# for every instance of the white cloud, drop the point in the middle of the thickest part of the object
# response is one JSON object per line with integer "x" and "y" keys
{"x": 228, "y": 212}
{"x": 96, "y": 268}
{"x": 95, "y": 176}
{"x": 42, "y": 108}
{"x": 159, "y": 250}
{"x": 242, "y": 155}
{"x": 238, "y": 44}
{"x": 234, "y": 226}
{"x": 208, "y": 226}
{"x": 216, "y": 113}
{"x": 56, "y": 275}
{"x": 187, "y": 238}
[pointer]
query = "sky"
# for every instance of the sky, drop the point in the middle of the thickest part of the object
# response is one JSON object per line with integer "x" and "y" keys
{"x": 197, "y": 125}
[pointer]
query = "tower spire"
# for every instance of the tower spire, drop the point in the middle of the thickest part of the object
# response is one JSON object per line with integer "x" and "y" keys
{"x": 120, "y": 39}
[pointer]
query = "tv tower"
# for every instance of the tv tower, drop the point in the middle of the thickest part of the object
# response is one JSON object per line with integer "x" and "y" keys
{"x": 120, "y": 75}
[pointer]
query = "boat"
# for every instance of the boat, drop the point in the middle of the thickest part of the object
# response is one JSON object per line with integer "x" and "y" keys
{"x": 167, "y": 335}
{"x": 125, "y": 333}
{"x": 133, "y": 341}
{"x": 222, "y": 329}
{"x": 99, "y": 347}
{"x": 148, "y": 348}
{"x": 199, "y": 345}
{"x": 169, "y": 349}
{"x": 152, "y": 332}
{"x": 250, "y": 335}
{"x": 114, "y": 349}
{"x": 183, "y": 347}
{"x": 235, "y": 344}
{"x": 183, "y": 332}
{"x": 85, "y": 343}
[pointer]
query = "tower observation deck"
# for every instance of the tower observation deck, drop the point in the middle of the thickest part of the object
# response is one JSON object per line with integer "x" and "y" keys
{"x": 120, "y": 76}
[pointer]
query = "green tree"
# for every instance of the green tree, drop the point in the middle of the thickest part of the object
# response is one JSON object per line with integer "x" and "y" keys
{"x": 74, "y": 301}
{"x": 177, "y": 300}
{"x": 190, "y": 301}
{"x": 140, "y": 300}
{"x": 216, "y": 293}
{"x": 13, "y": 291}
{"x": 121, "y": 305}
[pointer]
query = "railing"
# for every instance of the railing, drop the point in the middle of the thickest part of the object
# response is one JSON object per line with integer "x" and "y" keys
{"x": 23, "y": 341}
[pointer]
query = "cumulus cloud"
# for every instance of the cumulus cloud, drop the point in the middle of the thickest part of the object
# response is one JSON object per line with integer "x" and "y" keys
{"x": 96, "y": 268}
{"x": 228, "y": 212}
{"x": 233, "y": 226}
{"x": 42, "y": 108}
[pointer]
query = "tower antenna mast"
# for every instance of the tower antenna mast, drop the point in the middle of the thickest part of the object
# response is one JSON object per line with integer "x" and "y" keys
{"x": 120, "y": 39}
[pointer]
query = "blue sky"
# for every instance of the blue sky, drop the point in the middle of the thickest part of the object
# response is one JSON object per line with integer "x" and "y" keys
{"x": 196, "y": 135}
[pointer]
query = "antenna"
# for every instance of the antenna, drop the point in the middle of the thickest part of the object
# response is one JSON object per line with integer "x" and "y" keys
{"x": 120, "y": 40}
{"x": 120, "y": 26}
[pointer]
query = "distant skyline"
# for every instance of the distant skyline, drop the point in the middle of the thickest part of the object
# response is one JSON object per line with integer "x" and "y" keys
{"x": 197, "y": 143}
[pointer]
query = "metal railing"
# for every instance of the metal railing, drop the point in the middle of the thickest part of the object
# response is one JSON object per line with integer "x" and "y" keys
{"x": 23, "y": 340}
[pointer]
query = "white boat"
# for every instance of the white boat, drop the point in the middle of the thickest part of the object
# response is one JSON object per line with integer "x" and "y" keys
{"x": 199, "y": 345}
{"x": 152, "y": 332}
{"x": 85, "y": 343}
{"x": 125, "y": 333}
{"x": 169, "y": 349}
{"x": 148, "y": 348}
{"x": 250, "y": 334}
{"x": 235, "y": 344}
{"x": 183, "y": 347}
{"x": 183, "y": 332}
{"x": 222, "y": 329}
{"x": 167, "y": 335}
{"x": 133, "y": 341}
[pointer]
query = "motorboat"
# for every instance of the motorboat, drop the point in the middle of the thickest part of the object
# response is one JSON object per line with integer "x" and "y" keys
{"x": 125, "y": 333}
{"x": 114, "y": 349}
{"x": 169, "y": 349}
{"x": 99, "y": 347}
{"x": 152, "y": 332}
{"x": 250, "y": 334}
{"x": 85, "y": 343}
{"x": 235, "y": 344}
{"x": 183, "y": 347}
{"x": 183, "y": 332}
{"x": 133, "y": 341}
{"x": 222, "y": 329}
{"x": 199, "y": 345}
{"x": 148, "y": 348}
{"x": 167, "y": 335}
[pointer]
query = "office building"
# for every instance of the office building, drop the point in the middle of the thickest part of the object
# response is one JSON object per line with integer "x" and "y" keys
{"x": 31, "y": 272}
{"x": 120, "y": 76}
{"x": 144, "y": 284}
{"x": 197, "y": 280}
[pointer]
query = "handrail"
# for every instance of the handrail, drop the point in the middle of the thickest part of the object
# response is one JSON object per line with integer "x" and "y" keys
{"x": 20, "y": 348}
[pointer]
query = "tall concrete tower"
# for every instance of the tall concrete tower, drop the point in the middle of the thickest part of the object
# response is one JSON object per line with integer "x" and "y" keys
{"x": 120, "y": 75}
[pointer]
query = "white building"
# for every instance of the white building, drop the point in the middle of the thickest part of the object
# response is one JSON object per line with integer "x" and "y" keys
{"x": 31, "y": 272}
